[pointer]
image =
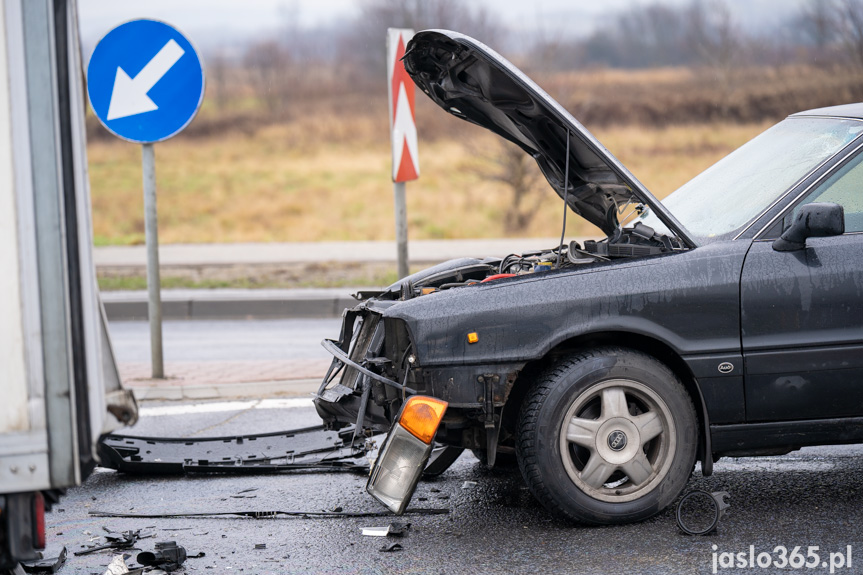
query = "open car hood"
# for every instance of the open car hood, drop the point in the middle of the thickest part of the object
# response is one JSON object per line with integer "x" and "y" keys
{"x": 473, "y": 82}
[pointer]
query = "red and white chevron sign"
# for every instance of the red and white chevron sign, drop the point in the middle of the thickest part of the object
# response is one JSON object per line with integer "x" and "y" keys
{"x": 403, "y": 128}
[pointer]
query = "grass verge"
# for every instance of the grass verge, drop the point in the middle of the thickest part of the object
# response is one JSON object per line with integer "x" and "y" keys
{"x": 275, "y": 186}
{"x": 329, "y": 275}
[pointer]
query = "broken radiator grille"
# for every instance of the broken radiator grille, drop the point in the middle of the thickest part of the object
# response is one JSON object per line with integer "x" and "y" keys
{"x": 360, "y": 347}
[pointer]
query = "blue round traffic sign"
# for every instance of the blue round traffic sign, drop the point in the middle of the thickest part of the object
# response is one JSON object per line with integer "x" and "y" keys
{"x": 145, "y": 81}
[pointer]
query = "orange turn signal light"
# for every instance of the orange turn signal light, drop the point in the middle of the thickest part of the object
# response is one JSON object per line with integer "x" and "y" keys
{"x": 472, "y": 337}
{"x": 422, "y": 415}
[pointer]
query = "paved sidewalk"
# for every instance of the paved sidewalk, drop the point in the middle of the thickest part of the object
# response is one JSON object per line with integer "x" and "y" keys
{"x": 420, "y": 251}
{"x": 225, "y": 379}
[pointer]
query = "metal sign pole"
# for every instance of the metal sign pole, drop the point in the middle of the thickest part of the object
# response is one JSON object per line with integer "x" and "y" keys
{"x": 403, "y": 136}
{"x": 168, "y": 90}
{"x": 151, "y": 230}
{"x": 401, "y": 210}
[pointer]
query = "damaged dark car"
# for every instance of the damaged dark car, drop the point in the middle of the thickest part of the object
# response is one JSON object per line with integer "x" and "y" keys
{"x": 726, "y": 320}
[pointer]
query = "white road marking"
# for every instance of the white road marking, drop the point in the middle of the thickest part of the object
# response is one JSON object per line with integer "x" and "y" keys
{"x": 222, "y": 406}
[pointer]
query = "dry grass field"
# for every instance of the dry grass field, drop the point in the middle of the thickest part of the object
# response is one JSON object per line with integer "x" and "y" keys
{"x": 319, "y": 169}
{"x": 263, "y": 187}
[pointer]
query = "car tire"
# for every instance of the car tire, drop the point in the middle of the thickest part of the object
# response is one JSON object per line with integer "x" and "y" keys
{"x": 607, "y": 436}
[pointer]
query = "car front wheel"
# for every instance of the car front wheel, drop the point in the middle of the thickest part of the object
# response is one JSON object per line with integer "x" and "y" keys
{"x": 607, "y": 436}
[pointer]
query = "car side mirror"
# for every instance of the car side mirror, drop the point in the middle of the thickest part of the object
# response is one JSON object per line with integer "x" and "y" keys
{"x": 816, "y": 220}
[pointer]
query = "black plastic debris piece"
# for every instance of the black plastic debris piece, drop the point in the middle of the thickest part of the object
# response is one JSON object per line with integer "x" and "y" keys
{"x": 699, "y": 512}
{"x": 49, "y": 564}
{"x": 442, "y": 457}
{"x": 117, "y": 541}
{"x": 260, "y": 545}
{"x": 391, "y": 547}
{"x": 168, "y": 556}
{"x": 399, "y": 529}
{"x": 312, "y": 448}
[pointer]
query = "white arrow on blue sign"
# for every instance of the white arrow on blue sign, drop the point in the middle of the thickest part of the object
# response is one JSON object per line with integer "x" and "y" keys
{"x": 145, "y": 81}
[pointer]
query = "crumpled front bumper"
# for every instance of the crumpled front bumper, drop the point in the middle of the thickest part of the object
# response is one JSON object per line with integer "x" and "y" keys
{"x": 370, "y": 378}
{"x": 338, "y": 403}
{"x": 356, "y": 388}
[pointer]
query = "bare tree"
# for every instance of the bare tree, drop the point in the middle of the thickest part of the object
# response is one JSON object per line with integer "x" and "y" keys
{"x": 718, "y": 43}
{"x": 218, "y": 68}
{"x": 713, "y": 34}
{"x": 817, "y": 22}
{"x": 268, "y": 64}
{"x": 550, "y": 49}
{"x": 365, "y": 43}
{"x": 511, "y": 166}
{"x": 848, "y": 22}
{"x": 653, "y": 35}
{"x": 659, "y": 34}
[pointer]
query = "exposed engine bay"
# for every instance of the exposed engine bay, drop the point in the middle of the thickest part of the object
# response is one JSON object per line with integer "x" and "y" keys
{"x": 639, "y": 240}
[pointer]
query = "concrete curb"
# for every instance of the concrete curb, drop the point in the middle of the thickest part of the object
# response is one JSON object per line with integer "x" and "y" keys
{"x": 431, "y": 251}
{"x": 276, "y": 303}
{"x": 256, "y": 390}
{"x": 232, "y": 304}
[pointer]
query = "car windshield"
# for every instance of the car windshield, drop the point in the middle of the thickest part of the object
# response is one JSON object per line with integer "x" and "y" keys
{"x": 720, "y": 201}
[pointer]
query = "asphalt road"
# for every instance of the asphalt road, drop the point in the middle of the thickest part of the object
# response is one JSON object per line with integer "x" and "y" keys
{"x": 807, "y": 498}
{"x": 200, "y": 340}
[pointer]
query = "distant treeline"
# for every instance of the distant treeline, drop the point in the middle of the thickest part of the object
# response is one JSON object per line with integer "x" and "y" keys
{"x": 658, "y": 34}
{"x": 706, "y": 33}
{"x": 654, "y": 64}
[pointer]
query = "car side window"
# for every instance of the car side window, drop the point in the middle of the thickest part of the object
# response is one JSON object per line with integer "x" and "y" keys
{"x": 844, "y": 187}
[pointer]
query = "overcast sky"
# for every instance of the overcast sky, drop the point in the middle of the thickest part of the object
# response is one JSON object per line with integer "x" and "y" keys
{"x": 214, "y": 19}
{"x": 213, "y": 24}
{"x": 255, "y": 14}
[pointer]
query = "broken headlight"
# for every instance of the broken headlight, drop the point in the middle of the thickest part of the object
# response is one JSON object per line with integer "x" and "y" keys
{"x": 397, "y": 469}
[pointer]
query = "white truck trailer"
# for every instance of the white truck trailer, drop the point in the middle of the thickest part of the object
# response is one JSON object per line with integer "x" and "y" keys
{"x": 59, "y": 387}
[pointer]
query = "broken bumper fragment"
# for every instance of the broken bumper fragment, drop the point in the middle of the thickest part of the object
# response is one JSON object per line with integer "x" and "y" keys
{"x": 297, "y": 449}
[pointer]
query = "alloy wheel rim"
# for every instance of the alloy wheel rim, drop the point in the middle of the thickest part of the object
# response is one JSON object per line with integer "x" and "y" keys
{"x": 617, "y": 440}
